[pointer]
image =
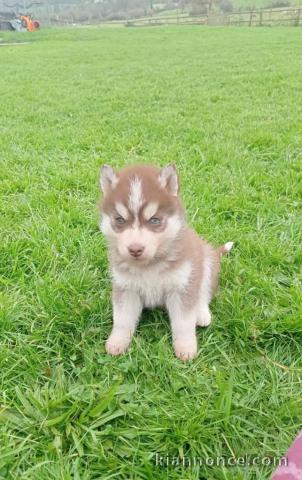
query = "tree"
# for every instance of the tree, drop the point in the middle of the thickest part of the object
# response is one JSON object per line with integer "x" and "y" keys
{"x": 199, "y": 7}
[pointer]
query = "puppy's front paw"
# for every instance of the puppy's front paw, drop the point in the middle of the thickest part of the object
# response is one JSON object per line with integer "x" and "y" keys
{"x": 117, "y": 345}
{"x": 204, "y": 317}
{"x": 185, "y": 350}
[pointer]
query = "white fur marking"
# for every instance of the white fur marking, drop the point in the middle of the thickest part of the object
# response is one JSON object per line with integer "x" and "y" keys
{"x": 150, "y": 210}
{"x": 121, "y": 210}
{"x": 153, "y": 283}
{"x": 174, "y": 224}
{"x": 136, "y": 195}
{"x": 228, "y": 246}
{"x": 105, "y": 225}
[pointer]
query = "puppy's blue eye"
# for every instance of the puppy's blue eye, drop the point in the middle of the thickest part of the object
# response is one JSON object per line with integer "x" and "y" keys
{"x": 120, "y": 220}
{"x": 154, "y": 221}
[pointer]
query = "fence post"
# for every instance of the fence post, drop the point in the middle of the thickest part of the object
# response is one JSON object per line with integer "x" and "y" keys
{"x": 261, "y": 18}
{"x": 297, "y": 22}
{"x": 251, "y": 17}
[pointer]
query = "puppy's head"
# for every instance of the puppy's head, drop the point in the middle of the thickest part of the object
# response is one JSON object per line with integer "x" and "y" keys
{"x": 141, "y": 212}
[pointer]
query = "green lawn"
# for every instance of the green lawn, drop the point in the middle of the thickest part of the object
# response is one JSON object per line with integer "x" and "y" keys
{"x": 225, "y": 105}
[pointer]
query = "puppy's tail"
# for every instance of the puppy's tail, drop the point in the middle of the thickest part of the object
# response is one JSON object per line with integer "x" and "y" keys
{"x": 226, "y": 248}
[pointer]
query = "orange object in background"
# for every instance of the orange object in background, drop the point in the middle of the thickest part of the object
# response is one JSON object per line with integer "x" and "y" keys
{"x": 29, "y": 24}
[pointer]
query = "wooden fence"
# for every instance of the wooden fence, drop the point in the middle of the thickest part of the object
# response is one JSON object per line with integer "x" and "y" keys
{"x": 290, "y": 16}
{"x": 267, "y": 17}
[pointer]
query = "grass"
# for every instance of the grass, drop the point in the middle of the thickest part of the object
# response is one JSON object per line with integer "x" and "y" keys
{"x": 225, "y": 105}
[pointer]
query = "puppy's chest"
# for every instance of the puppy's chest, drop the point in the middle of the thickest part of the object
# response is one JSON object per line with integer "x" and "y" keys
{"x": 154, "y": 284}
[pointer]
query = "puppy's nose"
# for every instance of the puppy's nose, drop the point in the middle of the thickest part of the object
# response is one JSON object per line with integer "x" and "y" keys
{"x": 136, "y": 249}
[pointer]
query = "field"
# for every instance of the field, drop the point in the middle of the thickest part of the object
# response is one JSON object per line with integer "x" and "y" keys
{"x": 223, "y": 104}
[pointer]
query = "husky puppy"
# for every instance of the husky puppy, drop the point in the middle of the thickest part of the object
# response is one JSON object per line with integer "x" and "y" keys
{"x": 156, "y": 260}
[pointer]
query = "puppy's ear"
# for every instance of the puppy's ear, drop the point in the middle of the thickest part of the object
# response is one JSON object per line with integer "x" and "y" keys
{"x": 108, "y": 178}
{"x": 168, "y": 179}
